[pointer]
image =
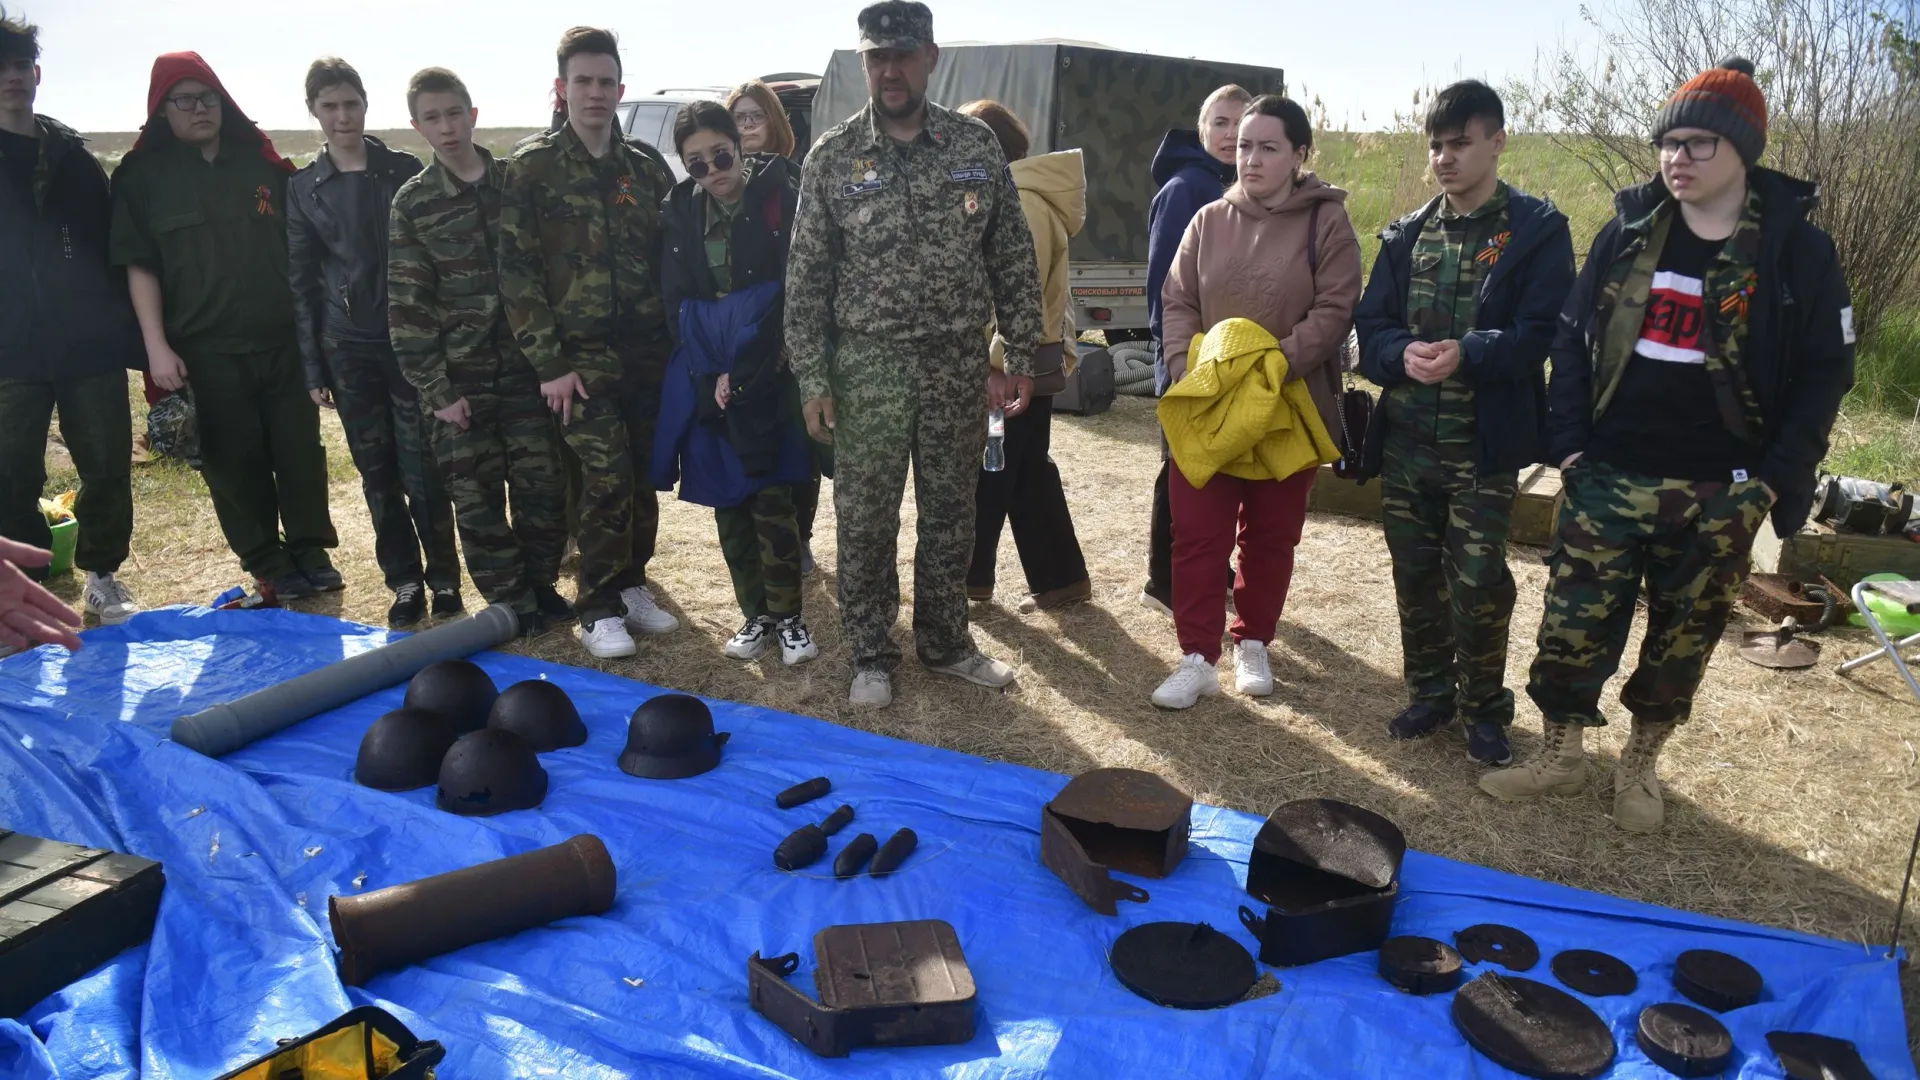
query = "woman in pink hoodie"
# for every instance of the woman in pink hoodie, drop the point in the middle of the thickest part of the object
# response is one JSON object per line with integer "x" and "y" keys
{"x": 1279, "y": 250}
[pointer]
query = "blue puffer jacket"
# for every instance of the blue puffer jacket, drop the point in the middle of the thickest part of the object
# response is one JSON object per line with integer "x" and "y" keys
{"x": 1189, "y": 179}
{"x": 697, "y": 453}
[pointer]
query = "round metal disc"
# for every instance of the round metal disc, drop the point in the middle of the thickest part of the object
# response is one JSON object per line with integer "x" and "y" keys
{"x": 1491, "y": 943}
{"x": 1594, "y": 974}
{"x": 1683, "y": 1040}
{"x": 1716, "y": 980}
{"x": 1183, "y": 965}
{"x": 1532, "y": 1028}
{"x": 1420, "y": 965}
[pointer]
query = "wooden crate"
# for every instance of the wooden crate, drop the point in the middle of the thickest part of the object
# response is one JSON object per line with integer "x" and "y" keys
{"x": 65, "y": 910}
{"x": 1534, "y": 510}
{"x": 1843, "y": 557}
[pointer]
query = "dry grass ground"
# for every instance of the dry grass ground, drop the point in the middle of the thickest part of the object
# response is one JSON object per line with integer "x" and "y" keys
{"x": 1791, "y": 796}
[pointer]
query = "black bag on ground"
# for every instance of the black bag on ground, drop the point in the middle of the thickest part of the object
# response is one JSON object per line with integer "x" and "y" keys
{"x": 1089, "y": 389}
{"x": 366, "y": 1043}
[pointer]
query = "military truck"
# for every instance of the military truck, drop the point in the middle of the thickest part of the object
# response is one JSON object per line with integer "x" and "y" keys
{"x": 1113, "y": 106}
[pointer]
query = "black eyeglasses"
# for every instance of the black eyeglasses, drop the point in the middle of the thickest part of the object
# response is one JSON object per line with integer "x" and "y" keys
{"x": 206, "y": 99}
{"x": 1698, "y": 148}
{"x": 722, "y": 161}
{"x": 748, "y": 119}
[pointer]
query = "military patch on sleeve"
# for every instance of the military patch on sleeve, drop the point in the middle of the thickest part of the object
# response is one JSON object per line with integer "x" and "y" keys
{"x": 974, "y": 174}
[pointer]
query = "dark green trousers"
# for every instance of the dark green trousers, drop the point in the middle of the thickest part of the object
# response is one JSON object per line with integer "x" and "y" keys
{"x": 760, "y": 540}
{"x": 261, "y": 456}
{"x": 97, "y": 425}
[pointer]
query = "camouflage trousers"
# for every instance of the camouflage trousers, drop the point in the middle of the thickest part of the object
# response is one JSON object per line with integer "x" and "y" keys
{"x": 506, "y": 459}
{"x": 899, "y": 406}
{"x": 619, "y": 513}
{"x": 1688, "y": 541}
{"x": 760, "y": 539}
{"x": 387, "y": 437}
{"x": 1446, "y": 528}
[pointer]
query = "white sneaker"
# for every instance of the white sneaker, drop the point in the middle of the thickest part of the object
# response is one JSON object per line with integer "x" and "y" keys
{"x": 1191, "y": 681}
{"x": 644, "y": 615}
{"x": 751, "y": 640}
{"x": 978, "y": 669}
{"x": 872, "y": 688}
{"x": 1252, "y": 673}
{"x": 1152, "y": 603}
{"x": 108, "y": 599}
{"x": 607, "y": 639}
{"x": 796, "y": 643}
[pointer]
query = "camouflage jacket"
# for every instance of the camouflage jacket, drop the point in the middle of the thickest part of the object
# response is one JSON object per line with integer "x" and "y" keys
{"x": 580, "y": 256}
{"x": 908, "y": 242}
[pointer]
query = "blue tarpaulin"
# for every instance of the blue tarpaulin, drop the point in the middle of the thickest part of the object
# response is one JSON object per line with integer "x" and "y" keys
{"x": 254, "y": 843}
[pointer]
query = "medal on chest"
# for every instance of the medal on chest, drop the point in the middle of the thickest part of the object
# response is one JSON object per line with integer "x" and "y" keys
{"x": 623, "y": 191}
{"x": 263, "y": 201}
{"x": 1496, "y": 244}
{"x": 972, "y": 202}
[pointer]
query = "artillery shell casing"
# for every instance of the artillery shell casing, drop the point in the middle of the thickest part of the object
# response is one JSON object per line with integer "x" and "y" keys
{"x": 893, "y": 853}
{"x": 802, "y": 847}
{"x": 853, "y": 858}
{"x": 804, "y": 792}
{"x": 837, "y": 820}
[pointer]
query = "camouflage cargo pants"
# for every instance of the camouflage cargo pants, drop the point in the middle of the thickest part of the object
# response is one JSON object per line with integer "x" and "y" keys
{"x": 1446, "y": 528}
{"x": 901, "y": 405}
{"x": 760, "y": 540}
{"x": 508, "y": 452}
{"x": 387, "y": 436}
{"x": 619, "y": 513}
{"x": 1689, "y": 542}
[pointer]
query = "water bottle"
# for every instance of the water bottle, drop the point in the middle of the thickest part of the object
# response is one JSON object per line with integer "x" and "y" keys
{"x": 996, "y": 456}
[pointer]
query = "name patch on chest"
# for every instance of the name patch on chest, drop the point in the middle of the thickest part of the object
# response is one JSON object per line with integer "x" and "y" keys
{"x": 864, "y": 187}
{"x": 972, "y": 175}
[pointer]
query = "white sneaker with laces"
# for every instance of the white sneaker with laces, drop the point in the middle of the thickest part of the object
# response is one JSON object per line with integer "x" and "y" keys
{"x": 1252, "y": 672}
{"x": 1191, "y": 681}
{"x": 978, "y": 669}
{"x": 108, "y": 599}
{"x": 751, "y": 640}
{"x": 796, "y": 643}
{"x": 644, "y": 615}
{"x": 1152, "y": 603}
{"x": 606, "y": 639}
{"x": 872, "y": 688}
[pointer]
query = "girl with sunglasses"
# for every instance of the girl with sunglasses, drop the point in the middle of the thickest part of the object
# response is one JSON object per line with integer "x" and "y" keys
{"x": 730, "y": 432}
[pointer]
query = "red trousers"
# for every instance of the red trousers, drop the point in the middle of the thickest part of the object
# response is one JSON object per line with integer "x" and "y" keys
{"x": 1268, "y": 515}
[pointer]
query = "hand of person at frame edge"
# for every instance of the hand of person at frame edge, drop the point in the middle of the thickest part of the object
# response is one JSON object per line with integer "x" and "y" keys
{"x": 168, "y": 371}
{"x": 723, "y": 391}
{"x": 459, "y": 414}
{"x": 560, "y": 393}
{"x": 321, "y": 396}
{"x": 29, "y": 614}
{"x": 1012, "y": 393}
{"x": 819, "y": 414}
{"x": 1431, "y": 362}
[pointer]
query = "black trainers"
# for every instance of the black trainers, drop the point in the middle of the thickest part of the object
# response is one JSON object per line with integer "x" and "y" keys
{"x": 551, "y": 603}
{"x": 324, "y": 578}
{"x": 531, "y": 624}
{"x": 1418, "y": 722}
{"x": 447, "y": 602}
{"x": 1487, "y": 744}
{"x": 409, "y": 605}
{"x": 293, "y": 586}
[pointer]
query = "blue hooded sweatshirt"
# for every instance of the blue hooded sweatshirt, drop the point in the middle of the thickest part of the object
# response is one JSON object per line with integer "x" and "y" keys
{"x": 1189, "y": 179}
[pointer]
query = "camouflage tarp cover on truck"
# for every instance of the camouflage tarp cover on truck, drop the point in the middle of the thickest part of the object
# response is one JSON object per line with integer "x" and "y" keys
{"x": 1114, "y": 106}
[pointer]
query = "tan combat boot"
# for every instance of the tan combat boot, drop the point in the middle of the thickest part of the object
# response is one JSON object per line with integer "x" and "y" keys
{"x": 1559, "y": 768}
{"x": 1637, "y": 806}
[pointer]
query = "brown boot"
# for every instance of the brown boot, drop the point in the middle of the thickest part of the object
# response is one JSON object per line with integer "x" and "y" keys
{"x": 1559, "y": 768}
{"x": 1637, "y": 806}
{"x": 1077, "y": 593}
{"x": 980, "y": 594}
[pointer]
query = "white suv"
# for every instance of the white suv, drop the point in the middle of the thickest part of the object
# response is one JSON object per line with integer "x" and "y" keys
{"x": 650, "y": 119}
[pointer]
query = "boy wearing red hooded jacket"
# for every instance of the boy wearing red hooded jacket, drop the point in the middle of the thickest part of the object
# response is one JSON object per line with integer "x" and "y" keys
{"x": 199, "y": 223}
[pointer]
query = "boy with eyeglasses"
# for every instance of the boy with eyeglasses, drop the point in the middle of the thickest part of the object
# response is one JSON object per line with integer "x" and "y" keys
{"x": 199, "y": 221}
{"x": 1698, "y": 368}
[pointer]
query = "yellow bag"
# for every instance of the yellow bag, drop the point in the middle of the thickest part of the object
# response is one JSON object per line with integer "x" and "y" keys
{"x": 364, "y": 1044}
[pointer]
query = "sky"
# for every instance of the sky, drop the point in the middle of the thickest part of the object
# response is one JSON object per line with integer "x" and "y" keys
{"x": 1363, "y": 60}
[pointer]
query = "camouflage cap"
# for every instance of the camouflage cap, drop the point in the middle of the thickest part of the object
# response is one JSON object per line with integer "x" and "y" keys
{"x": 895, "y": 24}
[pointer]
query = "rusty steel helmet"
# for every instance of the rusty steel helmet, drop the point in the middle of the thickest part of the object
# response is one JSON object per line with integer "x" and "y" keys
{"x": 491, "y": 771}
{"x": 457, "y": 690}
{"x": 539, "y": 712}
{"x": 671, "y": 737}
{"x": 402, "y": 750}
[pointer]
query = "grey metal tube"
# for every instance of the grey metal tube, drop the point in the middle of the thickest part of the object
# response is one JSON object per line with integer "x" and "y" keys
{"x": 230, "y": 726}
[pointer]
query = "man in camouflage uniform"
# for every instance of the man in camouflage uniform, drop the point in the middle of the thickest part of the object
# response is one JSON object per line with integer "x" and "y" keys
{"x": 1455, "y": 326}
{"x": 489, "y": 426}
{"x": 579, "y": 240}
{"x": 909, "y": 239}
{"x": 1699, "y": 365}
